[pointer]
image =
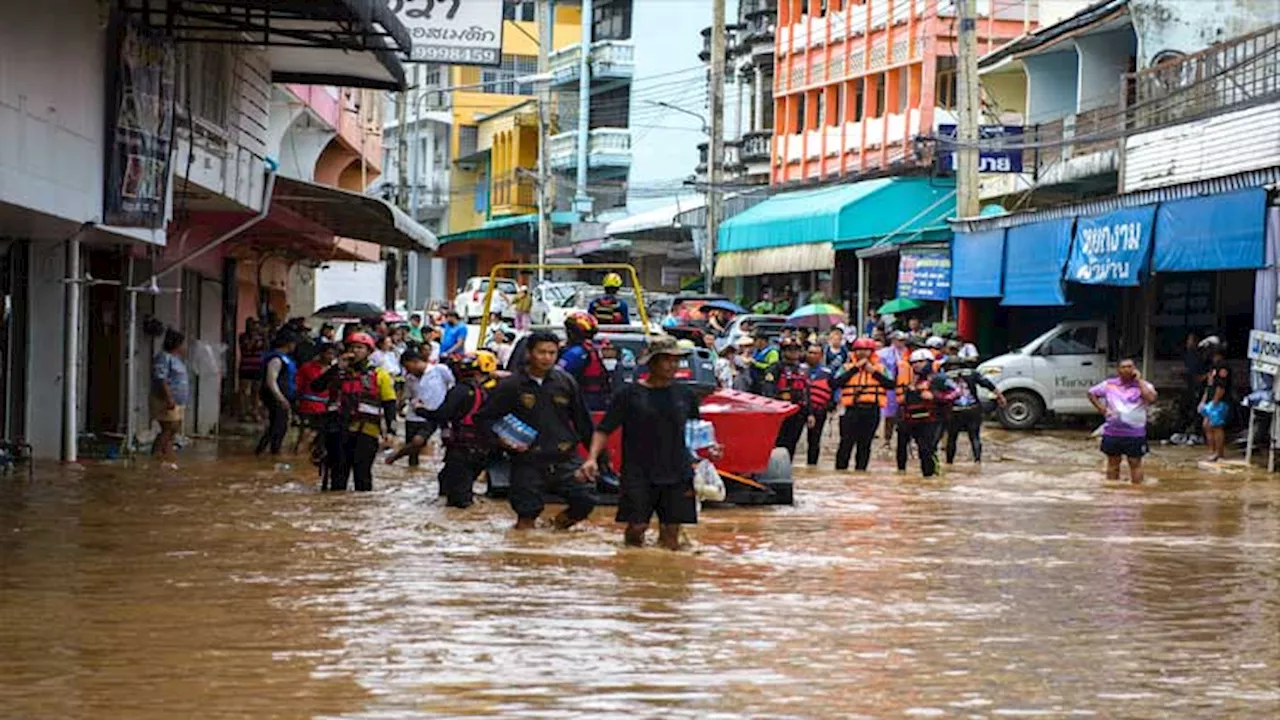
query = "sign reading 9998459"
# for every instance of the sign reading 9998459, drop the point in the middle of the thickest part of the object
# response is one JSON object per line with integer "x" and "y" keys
{"x": 456, "y": 32}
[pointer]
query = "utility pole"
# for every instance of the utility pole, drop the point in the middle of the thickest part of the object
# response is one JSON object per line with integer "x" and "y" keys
{"x": 715, "y": 143}
{"x": 402, "y": 149}
{"x": 581, "y": 200}
{"x": 546, "y": 22}
{"x": 969, "y": 109}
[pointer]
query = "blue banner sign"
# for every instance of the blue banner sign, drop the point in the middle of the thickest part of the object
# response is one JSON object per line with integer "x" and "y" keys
{"x": 994, "y": 161}
{"x": 1112, "y": 249}
{"x": 925, "y": 274}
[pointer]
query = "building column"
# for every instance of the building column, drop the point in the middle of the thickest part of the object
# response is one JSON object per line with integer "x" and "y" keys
{"x": 758, "y": 119}
{"x": 742, "y": 105}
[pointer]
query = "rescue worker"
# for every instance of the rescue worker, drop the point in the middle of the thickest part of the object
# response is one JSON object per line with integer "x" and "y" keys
{"x": 923, "y": 395}
{"x": 764, "y": 367}
{"x": 865, "y": 385}
{"x": 793, "y": 387}
{"x": 279, "y": 386}
{"x": 365, "y": 397}
{"x": 937, "y": 344}
{"x": 313, "y": 406}
{"x": 965, "y": 414}
{"x": 466, "y": 446}
{"x": 610, "y": 309}
{"x": 588, "y": 362}
{"x": 548, "y": 400}
{"x": 820, "y": 397}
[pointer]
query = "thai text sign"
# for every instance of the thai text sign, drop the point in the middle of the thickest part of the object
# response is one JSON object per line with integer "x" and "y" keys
{"x": 456, "y": 32}
{"x": 1112, "y": 249}
{"x": 989, "y": 161}
{"x": 925, "y": 274}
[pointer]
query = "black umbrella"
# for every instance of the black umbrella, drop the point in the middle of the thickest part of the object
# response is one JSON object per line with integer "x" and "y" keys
{"x": 349, "y": 310}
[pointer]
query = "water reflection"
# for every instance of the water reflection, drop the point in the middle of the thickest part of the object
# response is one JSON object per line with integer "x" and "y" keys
{"x": 1020, "y": 588}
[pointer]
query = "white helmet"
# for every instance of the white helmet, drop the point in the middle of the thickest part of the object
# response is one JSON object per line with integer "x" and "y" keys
{"x": 921, "y": 355}
{"x": 935, "y": 341}
{"x": 1212, "y": 341}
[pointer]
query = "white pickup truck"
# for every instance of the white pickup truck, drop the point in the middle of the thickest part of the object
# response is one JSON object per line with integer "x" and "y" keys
{"x": 1051, "y": 374}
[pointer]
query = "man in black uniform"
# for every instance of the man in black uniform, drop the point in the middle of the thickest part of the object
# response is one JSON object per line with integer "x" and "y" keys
{"x": 657, "y": 476}
{"x": 466, "y": 447}
{"x": 547, "y": 399}
{"x": 793, "y": 387}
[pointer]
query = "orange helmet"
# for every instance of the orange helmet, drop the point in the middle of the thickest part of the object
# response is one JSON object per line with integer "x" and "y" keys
{"x": 581, "y": 323}
{"x": 362, "y": 338}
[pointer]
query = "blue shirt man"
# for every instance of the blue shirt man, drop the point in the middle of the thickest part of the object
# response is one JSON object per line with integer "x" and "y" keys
{"x": 453, "y": 340}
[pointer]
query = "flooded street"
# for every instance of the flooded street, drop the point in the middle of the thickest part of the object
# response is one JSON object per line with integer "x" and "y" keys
{"x": 1025, "y": 588}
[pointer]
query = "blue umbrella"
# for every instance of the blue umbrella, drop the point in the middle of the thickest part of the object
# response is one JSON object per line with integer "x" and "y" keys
{"x": 724, "y": 305}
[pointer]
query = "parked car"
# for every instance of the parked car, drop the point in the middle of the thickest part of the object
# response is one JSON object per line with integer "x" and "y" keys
{"x": 770, "y": 325}
{"x": 470, "y": 302}
{"x": 550, "y": 295}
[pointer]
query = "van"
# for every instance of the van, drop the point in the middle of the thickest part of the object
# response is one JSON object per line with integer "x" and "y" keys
{"x": 1051, "y": 374}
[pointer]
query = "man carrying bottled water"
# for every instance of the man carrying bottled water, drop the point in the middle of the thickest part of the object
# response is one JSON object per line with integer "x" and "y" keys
{"x": 657, "y": 474}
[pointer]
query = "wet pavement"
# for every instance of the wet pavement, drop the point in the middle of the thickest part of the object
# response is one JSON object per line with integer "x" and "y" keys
{"x": 1026, "y": 588}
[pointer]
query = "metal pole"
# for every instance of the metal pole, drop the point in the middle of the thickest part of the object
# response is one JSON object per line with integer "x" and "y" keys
{"x": 413, "y": 148}
{"x": 715, "y": 143}
{"x": 71, "y": 354}
{"x": 968, "y": 107}
{"x": 863, "y": 300}
{"x": 402, "y": 148}
{"x": 546, "y": 22}
{"x": 130, "y": 359}
{"x": 581, "y": 200}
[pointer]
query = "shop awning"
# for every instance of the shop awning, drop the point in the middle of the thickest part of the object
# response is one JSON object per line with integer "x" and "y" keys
{"x": 977, "y": 264}
{"x": 517, "y": 228}
{"x": 1217, "y": 232}
{"x": 776, "y": 260}
{"x": 1034, "y": 257}
{"x": 850, "y": 216}
{"x": 352, "y": 215}
{"x": 350, "y": 43}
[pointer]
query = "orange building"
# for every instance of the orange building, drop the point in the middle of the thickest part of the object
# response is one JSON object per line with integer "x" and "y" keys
{"x": 857, "y": 81}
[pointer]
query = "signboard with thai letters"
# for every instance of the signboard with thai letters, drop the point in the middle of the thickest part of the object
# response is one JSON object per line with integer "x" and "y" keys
{"x": 989, "y": 161}
{"x": 924, "y": 274}
{"x": 454, "y": 32}
{"x": 1112, "y": 249}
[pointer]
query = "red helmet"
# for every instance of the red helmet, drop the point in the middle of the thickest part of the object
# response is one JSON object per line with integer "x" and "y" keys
{"x": 582, "y": 324}
{"x": 362, "y": 338}
{"x": 864, "y": 343}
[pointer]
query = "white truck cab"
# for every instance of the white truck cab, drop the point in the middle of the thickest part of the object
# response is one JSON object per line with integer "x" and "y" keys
{"x": 1051, "y": 374}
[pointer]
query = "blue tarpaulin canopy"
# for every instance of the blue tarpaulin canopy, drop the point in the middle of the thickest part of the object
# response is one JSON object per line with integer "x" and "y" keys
{"x": 1034, "y": 256}
{"x": 977, "y": 264}
{"x": 1216, "y": 232}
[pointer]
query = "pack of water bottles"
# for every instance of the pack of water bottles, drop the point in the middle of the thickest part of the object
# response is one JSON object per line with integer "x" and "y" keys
{"x": 515, "y": 433}
{"x": 699, "y": 435}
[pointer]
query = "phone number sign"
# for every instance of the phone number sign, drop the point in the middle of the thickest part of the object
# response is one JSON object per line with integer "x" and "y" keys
{"x": 454, "y": 32}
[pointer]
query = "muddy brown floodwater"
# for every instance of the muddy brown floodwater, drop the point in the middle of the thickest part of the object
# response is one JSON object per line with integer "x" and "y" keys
{"x": 1026, "y": 588}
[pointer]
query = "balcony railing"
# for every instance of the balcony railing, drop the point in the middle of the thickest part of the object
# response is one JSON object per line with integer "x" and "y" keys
{"x": 606, "y": 148}
{"x": 1239, "y": 71}
{"x": 610, "y": 60}
{"x": 748, "y": 8}
{"x": 757, "y": 146}
{"x": 514, "y": 190}
{"x": 731, "y": 154}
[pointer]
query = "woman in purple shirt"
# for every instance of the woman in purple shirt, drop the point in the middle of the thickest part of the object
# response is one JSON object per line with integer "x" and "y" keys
{"x": 1123, "y": 400}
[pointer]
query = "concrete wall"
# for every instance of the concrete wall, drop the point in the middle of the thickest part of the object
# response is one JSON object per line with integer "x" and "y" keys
{"x": 351, "y": 281}
{"x": 1104, "y": 58}
{"x": 45, "y": 348}
{"x": 1188, "y": 26}
{"x": 1051, "y": 85}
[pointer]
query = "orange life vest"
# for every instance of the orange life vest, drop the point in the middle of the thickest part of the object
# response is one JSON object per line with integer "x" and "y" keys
{"x": 864, "y": 388}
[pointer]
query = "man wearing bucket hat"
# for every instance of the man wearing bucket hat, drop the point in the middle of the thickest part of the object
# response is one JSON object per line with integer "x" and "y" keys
{"x": 657, "y": 476}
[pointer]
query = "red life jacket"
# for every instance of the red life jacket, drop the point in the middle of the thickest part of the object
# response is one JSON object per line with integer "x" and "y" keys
{"x": 915, "y": 409}
{"x": 792, "y": 382}
{"x": 595, "y": 378}
{"x": 462, "y": 432}
{"x": 358, "y": 396}
{"x": 820, "y": 394}
{"x": 607, "y": 311}
{"x": 311, "y": 402}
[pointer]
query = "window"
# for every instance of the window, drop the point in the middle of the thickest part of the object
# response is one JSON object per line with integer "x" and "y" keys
{"x": 945, "y": 91}
{"x": 502, "y": 80}
{"x": 881, "y": 81}
{"x": 611, "y": 21}
{"x": 821, "y": 115}
{"x": 522, "y": 10}
{"x": 1080, "y": 341}
{"x": 858, "y": 99}
{"x": 836, "y": 117}
{"x": 204, "y": 82}
{"x": 797, "y": 120}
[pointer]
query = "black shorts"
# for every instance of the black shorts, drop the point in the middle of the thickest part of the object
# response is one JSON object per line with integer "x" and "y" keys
{"x": 416, "y": 428}
{"x": 675, "y": 504}
{"x": 1130, "y": 447}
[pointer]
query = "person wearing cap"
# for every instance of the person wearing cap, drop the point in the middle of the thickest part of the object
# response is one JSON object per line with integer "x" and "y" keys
{"x": 657, "y": 474}
{"x": 467, "y": 446}
{"x": 742, "y": 363}
{"x": 965, "y": 413}
{"x": 765, "y": 359}
{"x": 726, "y": 369}
{"x": 821, "y": 399}
{"x": 865, "y": 386}
{"x": 548, "y": 400}
{"x": 894, "y": 358}
{"x": 365, "y": 397}
{"x": 793, "y": 387}
{"x": 923, "y": 394}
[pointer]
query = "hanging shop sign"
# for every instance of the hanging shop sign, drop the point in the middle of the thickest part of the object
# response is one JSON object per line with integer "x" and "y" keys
{"x": 139, "y": 129}
{"x": 457, "y": 32}
{"x": 1112, "y": 249}
{"x": 989, "y": 161}
{"x": 925, "y": 274}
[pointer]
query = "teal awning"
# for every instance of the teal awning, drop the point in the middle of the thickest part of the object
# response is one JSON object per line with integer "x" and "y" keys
{"x": 514, "y": 227}
{"x": 849, "y": 216}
